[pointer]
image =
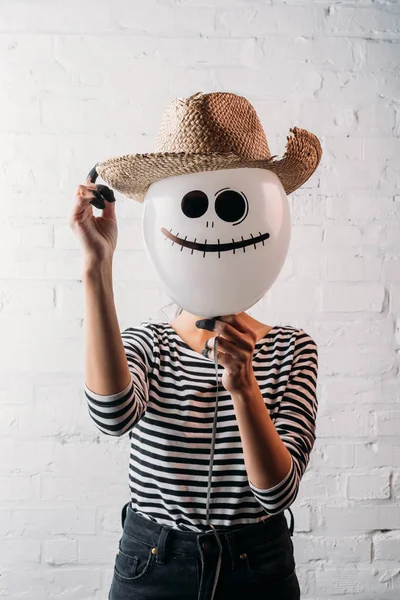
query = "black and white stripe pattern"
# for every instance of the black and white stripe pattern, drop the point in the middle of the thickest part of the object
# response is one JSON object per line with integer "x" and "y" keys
{"x": 168, "y": 409}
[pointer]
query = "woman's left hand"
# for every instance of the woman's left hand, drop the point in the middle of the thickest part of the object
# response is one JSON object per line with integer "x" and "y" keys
{"x": 235, "y": 350}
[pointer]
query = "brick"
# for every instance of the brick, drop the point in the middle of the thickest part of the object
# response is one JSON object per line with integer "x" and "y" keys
{"x": 377, "y": 454}
{"x": 366, "y": 392}
{"x": 359, "y": 175}
{"x": 363, "y": 333}
{"x": 39, "y": 521}
{"x": 361, "y": 22}
{"x": 15, "y": 388}
{"x": 56, "y": 489}
{"x": 335, "y": 120}
{"x": 100, "y": 553}
{"x": 12, "y": 552}
{"x": 394, "y": 295}
{"x": 37, "y": 235}
{"x": 194, "y": 20}
{"x": 359, "y": 364}
{"x": 396, "y": 483}
{"x": 362, "y": 208}
{"x": 294, "y": 299}
{"x": 318, "y": 485}
{"x": 60, "y": 552}
{"x": 22, "y": 48}
{"x": 26, "y": 297}
{"x": 386, "y": 546}
{"x": 356, "y": 421}
{"x": 317, "y": 50}
{"x": 348, "y": 146}
{"x": 151, "y": 18}
{"x": 11, "y": 236}
{"x": 332, "y": 455}
{"x": 66, "y": 111}
{"x": 375, "y": 119}
{"x": 308, "y": 209}
{"x": 303, "y": 82}
{"x": 70, "y": 581}
{"x": 24, "y": 17}
{"x": 276, "y": 20}
{"x": 27, "y": 117}
{"x": 18, "y": 489}
{"x": 302, "y": 517}
{"x": 351, "y": 581}
{"x": 336, "y": 550}
{"x": 389, "y": 390}
{"x": 372, "y": 486}
{"x": 391, "y": 270}
{"x": 305, "y": 236}
{"x": 388, "y": 422}
{"x": 397, "y": 331}
{"x": 381, "y": 54}
{"x": 358, "y": 297}
{"x": 360, "y": 518}
{"x": 337, "y": 235}
{"x": 308, "y": 266}
{"x": 62, "y": 408}
{"x": 357, "y": 84}
{"x": 345, "y": 266}
{"x": 378, "y": 146}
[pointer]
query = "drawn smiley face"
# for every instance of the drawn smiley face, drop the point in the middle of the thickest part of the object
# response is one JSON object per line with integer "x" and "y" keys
{"x": 239, "y": 216}
{"x": 230, "y": 206}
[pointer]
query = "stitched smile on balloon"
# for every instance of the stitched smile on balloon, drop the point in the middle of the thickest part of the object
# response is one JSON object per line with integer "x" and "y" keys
{"x": 204, "y": 247}
{"x": 230, "y": 206}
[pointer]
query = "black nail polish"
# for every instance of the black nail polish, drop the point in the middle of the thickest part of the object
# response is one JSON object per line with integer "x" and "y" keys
{"x": 93, "y": 174}
{"x": 98, "y": 200}
{"x": 204, "y": 352}
{"x": 106, "y": 192}
{"x": 208, "y": 324}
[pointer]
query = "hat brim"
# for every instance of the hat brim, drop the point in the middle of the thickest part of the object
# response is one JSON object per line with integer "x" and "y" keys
{"x": 132, "y": 174}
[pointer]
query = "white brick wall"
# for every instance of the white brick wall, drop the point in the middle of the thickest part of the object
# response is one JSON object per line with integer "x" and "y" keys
{"x": 82, "y": 81}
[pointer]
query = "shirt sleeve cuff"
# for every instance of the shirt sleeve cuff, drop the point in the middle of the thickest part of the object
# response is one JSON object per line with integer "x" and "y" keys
{"x": 112, "y": 396}
{"x": 278, "y": 485}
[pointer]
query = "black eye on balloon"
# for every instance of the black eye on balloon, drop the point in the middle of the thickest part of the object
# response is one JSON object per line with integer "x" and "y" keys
{"x": 231, "y": 206}
{"x": 194, "y": 204}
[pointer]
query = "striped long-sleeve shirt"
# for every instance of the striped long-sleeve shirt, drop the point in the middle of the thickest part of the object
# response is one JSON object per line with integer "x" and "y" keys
{"x": 168, "y": 410}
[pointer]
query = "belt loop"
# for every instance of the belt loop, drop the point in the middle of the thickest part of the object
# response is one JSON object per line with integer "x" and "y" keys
{"x": 123, "y": 514}
{"x": 162, "y": 543}
{"x": 291, "y": 526}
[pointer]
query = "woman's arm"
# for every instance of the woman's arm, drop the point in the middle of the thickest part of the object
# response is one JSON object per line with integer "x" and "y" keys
{"x": 276, "y": 453}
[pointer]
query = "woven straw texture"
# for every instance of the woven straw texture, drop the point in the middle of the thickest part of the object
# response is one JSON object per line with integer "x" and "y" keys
{"x": 208, "y": 132}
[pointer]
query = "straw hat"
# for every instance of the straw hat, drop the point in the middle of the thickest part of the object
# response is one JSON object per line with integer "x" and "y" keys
{"x": 207, "y": 132}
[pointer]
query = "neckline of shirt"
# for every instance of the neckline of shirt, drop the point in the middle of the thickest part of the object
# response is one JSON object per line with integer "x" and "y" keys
{"x": 260, "y": 342}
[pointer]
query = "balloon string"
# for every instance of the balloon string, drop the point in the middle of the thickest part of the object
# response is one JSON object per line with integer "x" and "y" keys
{"x": 210, "y": 471}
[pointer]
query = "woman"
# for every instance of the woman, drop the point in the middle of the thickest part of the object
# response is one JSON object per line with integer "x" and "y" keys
{"x": 153, "y": 381}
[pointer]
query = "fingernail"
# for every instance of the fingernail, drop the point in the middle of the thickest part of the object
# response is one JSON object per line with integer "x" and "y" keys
{"x": 204, "y": 352}
{"x": 208, "y": 324}
{"x": 98, "y": 201}
{"x": 106, "y": 192}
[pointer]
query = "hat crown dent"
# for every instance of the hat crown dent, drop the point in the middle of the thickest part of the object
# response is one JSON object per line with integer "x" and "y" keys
{"x": 218, "y": 122}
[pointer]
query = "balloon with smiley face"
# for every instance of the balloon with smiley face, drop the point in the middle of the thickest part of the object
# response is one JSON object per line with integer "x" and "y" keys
{"x": 217, "y": 239}
{"x": 216, "y": 222}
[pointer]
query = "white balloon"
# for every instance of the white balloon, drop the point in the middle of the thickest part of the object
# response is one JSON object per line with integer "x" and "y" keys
{"x": 217, "y": 239}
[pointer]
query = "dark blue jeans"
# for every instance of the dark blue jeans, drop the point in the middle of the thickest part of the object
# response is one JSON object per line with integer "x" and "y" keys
{"x": 158, "y": 562}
